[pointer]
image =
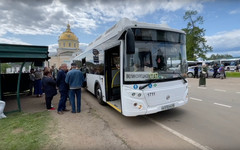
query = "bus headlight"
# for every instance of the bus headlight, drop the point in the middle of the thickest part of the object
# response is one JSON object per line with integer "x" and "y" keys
{"x": 139, "y": 94}
{"x": 138, "y": 106}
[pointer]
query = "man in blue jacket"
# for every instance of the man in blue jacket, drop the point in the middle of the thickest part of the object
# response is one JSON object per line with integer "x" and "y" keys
{"x": 63, "y": 88}
{"x": 75, "y": 80}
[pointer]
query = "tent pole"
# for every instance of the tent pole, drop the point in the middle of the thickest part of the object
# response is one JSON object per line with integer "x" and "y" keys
{"x": 18, "y": 87}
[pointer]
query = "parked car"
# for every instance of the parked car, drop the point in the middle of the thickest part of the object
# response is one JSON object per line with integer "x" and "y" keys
{"x": 210, "y": 73}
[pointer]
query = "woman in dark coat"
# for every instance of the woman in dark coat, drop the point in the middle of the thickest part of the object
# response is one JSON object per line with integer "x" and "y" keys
{"x": 203, "y": 75}
{"x": 49, "y": 86}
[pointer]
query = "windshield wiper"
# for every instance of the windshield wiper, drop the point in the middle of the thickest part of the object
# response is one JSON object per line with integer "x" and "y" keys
{"x": 142, "y": 87}
{"x": 185, "y": 81}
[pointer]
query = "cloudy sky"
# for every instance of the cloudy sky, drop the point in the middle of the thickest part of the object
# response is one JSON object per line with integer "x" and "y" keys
{"x": 40, "y": 22}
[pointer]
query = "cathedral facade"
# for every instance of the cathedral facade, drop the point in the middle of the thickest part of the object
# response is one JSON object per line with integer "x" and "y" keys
{"x": 68, "y": 48}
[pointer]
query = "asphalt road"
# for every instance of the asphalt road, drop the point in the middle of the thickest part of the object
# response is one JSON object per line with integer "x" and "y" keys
{"x": 210, "y": 120}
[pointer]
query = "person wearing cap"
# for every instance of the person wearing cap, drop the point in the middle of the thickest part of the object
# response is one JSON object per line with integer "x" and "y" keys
{"x": 75, "y": 80}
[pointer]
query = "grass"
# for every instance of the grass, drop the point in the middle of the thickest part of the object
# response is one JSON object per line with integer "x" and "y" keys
{"x": 24, "y": 131}
{"x": 233, "y": 74}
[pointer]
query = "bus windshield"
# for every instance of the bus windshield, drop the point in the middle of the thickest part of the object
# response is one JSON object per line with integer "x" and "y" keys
{"x": 156, "y": 58}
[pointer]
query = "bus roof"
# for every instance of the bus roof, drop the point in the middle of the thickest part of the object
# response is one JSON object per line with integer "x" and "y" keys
{"x": 227, "y": 59}
{"x": 124, "y": 24}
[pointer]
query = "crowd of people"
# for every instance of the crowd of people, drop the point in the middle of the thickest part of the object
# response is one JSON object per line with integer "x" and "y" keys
{"x": 204, "y": 73}
{"x": 68, "y": 83}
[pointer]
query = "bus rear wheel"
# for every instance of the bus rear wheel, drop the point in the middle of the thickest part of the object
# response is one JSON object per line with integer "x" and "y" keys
{"x": 98, "y": 94}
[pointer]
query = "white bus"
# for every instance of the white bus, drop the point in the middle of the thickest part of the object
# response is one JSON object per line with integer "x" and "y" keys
{"x": 137, "y": 68}
{"x": 229, "y": 64}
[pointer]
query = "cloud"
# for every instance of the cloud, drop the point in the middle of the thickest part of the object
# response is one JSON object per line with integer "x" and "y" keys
{"x": 233, "y": 53}
{"x": 224, "y": 41}
{"x": 49, "y": 17}
{"x": 233, "y": 12}
{"x": 40, "y": 17}
{"x": 83, "y": 46}
{"x": 12, "y": 40}
{"x": 52, "y": 47}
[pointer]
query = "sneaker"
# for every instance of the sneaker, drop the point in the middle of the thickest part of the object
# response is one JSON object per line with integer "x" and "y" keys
{"x": 52, "y": 108}
{"x": 2, "y": 116}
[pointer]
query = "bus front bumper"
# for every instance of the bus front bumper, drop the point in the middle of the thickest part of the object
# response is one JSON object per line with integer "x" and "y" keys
{"x": 155, "y": 109}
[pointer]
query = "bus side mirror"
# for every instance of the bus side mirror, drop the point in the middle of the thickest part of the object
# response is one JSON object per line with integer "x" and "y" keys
{"x": 130, "y": 41}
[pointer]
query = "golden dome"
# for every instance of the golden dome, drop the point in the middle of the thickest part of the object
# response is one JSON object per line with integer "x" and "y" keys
{"x": 68, "y": 35}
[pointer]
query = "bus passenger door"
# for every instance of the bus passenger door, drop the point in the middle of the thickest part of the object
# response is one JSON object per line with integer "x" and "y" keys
{"x": 112, "y": 74}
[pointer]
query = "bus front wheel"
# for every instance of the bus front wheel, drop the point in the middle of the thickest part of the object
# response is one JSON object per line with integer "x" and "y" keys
{"x": 98, "y": 94}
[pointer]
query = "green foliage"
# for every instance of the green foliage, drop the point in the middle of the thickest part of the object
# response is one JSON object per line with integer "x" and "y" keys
{"x": 195, "y": 41}
{"x": 24, "y": 131}
{"x": 233, "y": 74}
{"x": 217, "y": 56}
{"x": 4, "y": 67}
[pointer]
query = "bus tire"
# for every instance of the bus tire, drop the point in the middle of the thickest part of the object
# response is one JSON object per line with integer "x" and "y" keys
{"x": 98, "y": 94}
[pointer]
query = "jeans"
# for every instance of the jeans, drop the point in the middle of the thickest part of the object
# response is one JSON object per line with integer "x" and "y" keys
{"x": 62, "y": 101}
{"x": 72, "y": 93}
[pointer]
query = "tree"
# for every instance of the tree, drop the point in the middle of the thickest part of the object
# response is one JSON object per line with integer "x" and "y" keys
{"x": 195, "y": 41}
{"x": 217, "y": 56}
{"x": 4, "y": 67}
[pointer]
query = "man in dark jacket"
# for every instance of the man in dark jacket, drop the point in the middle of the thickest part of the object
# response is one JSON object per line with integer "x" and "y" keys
{"x": 196, "y": 72}
{"x": 63, "y": 88}
{"x": 49, "y": 86}
{"x": 215, "y": 70}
